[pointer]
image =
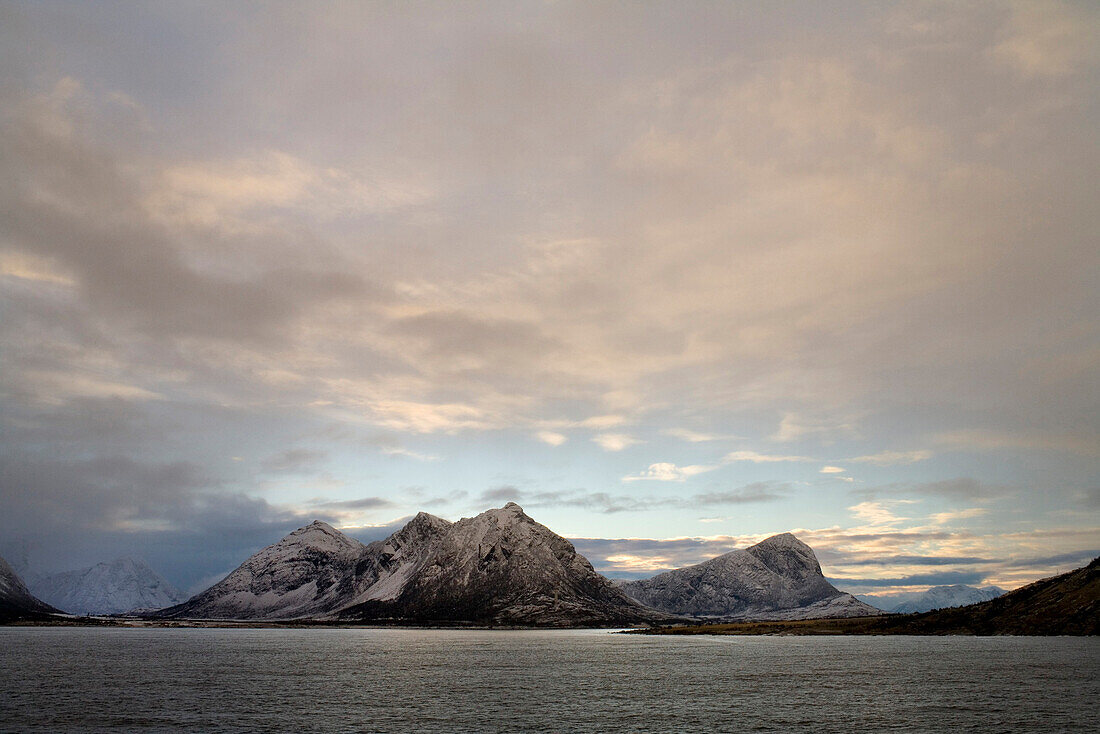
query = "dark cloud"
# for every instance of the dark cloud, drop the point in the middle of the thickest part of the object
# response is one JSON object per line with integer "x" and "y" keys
{"x": 755, "y": 492}
{"x": 903, "y": 560}
{"x": 363, "y": 503}
{"x": 1076, "y": 558}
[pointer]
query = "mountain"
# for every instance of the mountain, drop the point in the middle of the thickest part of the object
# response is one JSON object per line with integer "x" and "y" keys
{"x": 1068, "y": 604}
{"x": 16, "y": 602}
{"x": 300, "y": 576}
{"x": 500, "y": 567}
{"x": 778, "y": 578}
{"x": 942, "y": 597}
{"x": 1061, "y": 605}
{"x": 122, "y": 585}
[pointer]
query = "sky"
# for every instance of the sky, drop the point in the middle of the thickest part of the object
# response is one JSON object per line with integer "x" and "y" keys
{"x": 673, "y": 276}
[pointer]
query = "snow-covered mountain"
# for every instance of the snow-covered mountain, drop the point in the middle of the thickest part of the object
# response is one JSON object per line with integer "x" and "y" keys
{"x": 500, "y": 567}
{"x": 778, "y": 578}
{"x": 942, "y": 597}
{"x": 123, "y": 585}
{"x": 15, "y": 600}
{"x": 300, "y": 576}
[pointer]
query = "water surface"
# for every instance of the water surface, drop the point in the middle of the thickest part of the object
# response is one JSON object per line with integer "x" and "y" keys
{"x": 392, "y": 680}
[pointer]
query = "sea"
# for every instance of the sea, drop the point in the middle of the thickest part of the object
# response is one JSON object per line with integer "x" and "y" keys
{"x": 83, "y": 679}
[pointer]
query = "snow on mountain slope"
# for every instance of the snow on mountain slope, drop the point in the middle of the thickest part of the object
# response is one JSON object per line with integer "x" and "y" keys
{"x": 942, "y": 597}
{"x": 120, "y": 586}
{"x": 15, "y": 600}
{"x": 299, "y": 576}
{"x": 778, "y": 578}
{"x": 500, "y": 567}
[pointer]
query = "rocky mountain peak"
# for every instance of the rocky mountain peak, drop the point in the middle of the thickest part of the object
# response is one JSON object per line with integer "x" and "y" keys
{"x": 777, "y": 578}
{"x": 787, "y": 556}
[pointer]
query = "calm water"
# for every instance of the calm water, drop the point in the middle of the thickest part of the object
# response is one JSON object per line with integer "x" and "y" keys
{"x": 211, "y": 680}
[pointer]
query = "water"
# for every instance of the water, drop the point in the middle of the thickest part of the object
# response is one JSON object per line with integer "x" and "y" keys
{"x": 354, "y": 680}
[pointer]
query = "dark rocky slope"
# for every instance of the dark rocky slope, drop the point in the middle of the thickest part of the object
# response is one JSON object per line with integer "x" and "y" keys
{"x": 16, "y": 603}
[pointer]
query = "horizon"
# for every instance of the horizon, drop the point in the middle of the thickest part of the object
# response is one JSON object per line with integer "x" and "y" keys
{"x": 892, "y": 594}
{"x": 674, "y": 280}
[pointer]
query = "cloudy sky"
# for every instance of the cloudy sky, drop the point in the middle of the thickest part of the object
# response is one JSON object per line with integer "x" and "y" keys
{"x": 674, "y": 277}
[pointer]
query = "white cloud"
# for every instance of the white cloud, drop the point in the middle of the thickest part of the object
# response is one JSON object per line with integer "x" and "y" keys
{"x": 832, "y": 470}
{"x": 758, "y": 458}
{"x": 878, "y": 513}
{"x": 666, "y": 472}
{"x": 795, "y": 426}
{"x": 945, "y": 517}
{"x": 693, "y": 436}
{"x": 614, "y": 441}
{"x": 552, "y": 438}
{"x": 890, "y": 458}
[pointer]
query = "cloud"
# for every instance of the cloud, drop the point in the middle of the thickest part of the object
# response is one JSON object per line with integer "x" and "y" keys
{"x": 695, "y": 436}
{"x": 992, "y": 440}
{"x": 832, "y": 470}
{"x": 363, "y": 503}
{"x": 816, "y": 234}
{"x": 796, "y": 426}
{"x": 950, "y": 516}
{"x": 758, "y": 458}
{"x": 755, "y": 492}
{"x": 1048, "y": 39}
{"x": 614, "y": 441}
{"x": 877, "y": 514}
{"x": 893, "y": 458}
{"x": 960, "y": 488}
{"x": 970, "y": 578}
{"x": 607, "y": 503}
{"x": 296, "y": 461}
{"x": 551, "y": 437}
{"x": 666, "y": 472}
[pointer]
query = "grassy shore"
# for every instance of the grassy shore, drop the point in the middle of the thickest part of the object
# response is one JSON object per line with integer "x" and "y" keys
{"x": 851, "y": 626}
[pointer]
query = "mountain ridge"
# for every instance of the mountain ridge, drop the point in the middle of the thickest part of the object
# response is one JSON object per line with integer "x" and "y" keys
{"x": 778, "y": 578}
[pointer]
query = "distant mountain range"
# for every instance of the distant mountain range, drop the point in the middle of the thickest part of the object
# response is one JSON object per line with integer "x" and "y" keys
{"x": 500, "y": 567}
{"x": 503, "y": 568}
{"x": 123, "y": 585}
{"x": 778, "y": 578}
{"x": 936, "y": 598}
{"x": 16, "y": 602}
